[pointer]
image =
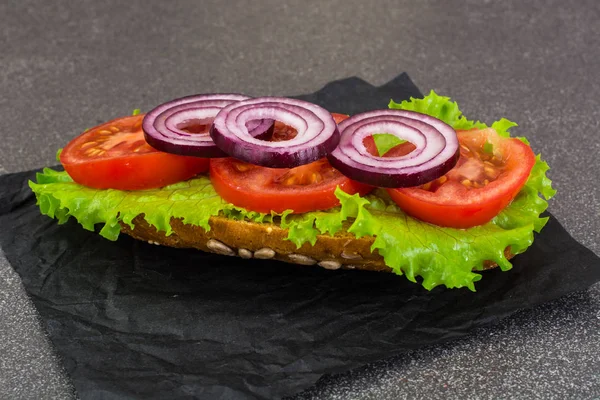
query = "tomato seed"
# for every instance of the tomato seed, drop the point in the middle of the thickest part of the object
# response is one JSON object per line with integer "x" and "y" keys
{"x": 114, "y": 129}
{"x": 93, "y": 152}
{"x": 242, "y": 167}
{"x": 466, "y": 183}
{"x": 88, "y": 145}
{"x": 490, "y": 171}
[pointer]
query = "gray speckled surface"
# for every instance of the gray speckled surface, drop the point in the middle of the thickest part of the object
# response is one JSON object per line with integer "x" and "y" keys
{"x": 550, "y": 352}
{"x": 65, "y": 66}
{"x": 29, "y": 368}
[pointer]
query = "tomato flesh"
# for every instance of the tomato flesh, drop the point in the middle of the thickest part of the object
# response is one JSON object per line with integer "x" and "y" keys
{"x": 490, "y": 172}
{"x": 302, "y": 189}
{"x": 115, "y": 155}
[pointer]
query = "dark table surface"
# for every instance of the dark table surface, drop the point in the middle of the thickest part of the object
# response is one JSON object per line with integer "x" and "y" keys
{"x": 66, "y": 66}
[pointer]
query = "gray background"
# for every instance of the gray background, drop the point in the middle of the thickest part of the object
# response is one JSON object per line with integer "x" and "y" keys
{"x": 68, "y": 65}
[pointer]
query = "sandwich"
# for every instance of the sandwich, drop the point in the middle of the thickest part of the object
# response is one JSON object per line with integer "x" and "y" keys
{"x": 416, "y": 189}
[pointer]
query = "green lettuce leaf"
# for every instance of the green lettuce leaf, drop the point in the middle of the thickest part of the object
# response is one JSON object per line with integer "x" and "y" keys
{"x": 439, "y": 107}
{"x": 439, "y": 256}
{"x": 385, "y": 142}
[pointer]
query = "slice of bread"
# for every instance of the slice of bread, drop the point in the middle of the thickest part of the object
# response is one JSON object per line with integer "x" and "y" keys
{"x": 267, "y": 241}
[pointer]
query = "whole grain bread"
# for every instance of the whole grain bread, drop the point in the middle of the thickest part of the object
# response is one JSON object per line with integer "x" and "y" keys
{"x": 266, "y": 241}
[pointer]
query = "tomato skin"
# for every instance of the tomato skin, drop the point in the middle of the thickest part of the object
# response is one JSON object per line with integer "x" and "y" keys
{"x": 258, "y": 192}
{"x": 453, "y": 216}
{"x": 339, "y": 117}
{"x": 119, "y": 167}
{"x": 150, "y": 171}
{"x": 261, "y": 189}
{"x": 460, "y": 207}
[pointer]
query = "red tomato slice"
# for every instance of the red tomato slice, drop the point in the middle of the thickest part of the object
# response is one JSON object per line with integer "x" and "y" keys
{"x": 302, "y": 189}
{"x": 339, "y": 117}
{"x": 481, "y": 185}
{"x": 115, "y": 155}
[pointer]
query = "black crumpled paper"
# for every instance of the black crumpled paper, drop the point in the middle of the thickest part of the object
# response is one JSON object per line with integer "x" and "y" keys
{"x": 133, "y": 320}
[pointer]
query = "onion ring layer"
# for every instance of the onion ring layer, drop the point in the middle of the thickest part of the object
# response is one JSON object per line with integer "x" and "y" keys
{"x": 317, "y": 135}
{"x": 165, "y": 126}
{"x": 437, "y": 149}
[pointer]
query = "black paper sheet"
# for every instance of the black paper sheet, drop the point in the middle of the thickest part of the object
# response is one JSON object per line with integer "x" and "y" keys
{"x": 133, "y": 320}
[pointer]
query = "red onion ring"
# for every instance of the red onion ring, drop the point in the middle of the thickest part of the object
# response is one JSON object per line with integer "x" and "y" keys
{"x": 162, "y": 125}
{"x": 317, "y": 133}
{"x": 436, "y": 153}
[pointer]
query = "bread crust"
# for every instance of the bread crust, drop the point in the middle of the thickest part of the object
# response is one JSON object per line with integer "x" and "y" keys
{"x": 247, "y": 239}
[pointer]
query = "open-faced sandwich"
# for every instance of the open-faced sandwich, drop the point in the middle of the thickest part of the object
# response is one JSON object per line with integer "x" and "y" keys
{"x": 416, "y": 189}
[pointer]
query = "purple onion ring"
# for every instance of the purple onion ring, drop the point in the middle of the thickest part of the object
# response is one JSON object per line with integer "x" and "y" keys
{"x": 163, "y": 126}
{"x": 317, "y": 131}
{"x": 436, "y": 153}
